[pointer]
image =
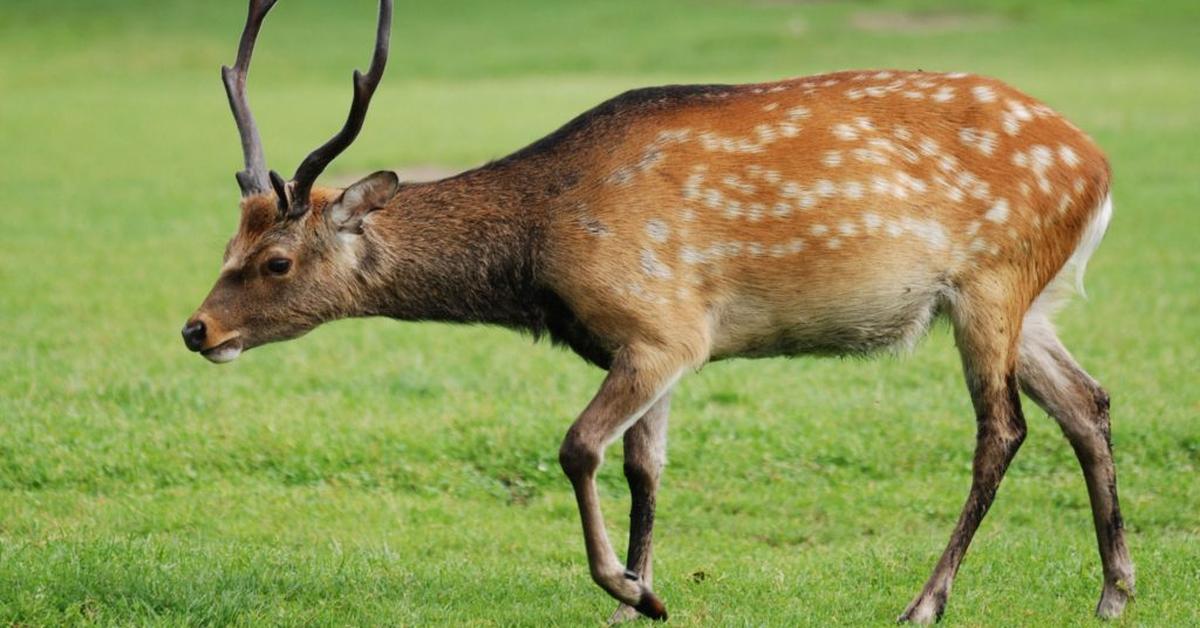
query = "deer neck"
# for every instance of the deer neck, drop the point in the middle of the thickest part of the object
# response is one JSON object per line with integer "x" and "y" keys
{"x": 462, "y": 250}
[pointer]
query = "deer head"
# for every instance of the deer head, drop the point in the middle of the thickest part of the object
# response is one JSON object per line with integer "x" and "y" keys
{"x": 291, "y": 264}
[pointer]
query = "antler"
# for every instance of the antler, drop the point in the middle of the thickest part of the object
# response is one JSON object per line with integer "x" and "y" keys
{"x": 254, "y": 179}
{"x": 364, "y": 88}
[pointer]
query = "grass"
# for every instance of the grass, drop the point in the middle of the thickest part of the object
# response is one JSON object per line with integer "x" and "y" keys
{"x": 378, "y": 473}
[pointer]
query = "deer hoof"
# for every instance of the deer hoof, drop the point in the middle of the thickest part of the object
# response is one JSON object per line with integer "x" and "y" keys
{"x": 1113, "y": 599}
{"x": 650, "y": 606}
{"x": 926, "y": 609}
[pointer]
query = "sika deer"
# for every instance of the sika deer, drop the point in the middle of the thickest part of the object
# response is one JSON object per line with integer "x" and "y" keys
{"x": 674, "y": 226}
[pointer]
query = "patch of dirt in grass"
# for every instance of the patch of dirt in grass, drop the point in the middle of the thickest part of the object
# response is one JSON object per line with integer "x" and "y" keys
{"x": 924, "y": 22}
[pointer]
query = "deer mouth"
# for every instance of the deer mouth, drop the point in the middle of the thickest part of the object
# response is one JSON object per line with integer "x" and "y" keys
{"x": 227, "y": 351}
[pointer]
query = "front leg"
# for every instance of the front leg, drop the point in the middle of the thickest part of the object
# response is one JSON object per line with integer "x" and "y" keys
{"x": 645, "y": 455}
{"x": 638, "y": 378}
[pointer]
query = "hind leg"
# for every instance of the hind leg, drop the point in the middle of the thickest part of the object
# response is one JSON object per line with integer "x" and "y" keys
{"x": 645, "y": 456}
{"x": 1054, "y": 380}
{"x": 986, "y": 327}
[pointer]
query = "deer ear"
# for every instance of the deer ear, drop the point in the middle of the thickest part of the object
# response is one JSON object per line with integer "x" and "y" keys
{"x": 367, "y": 195}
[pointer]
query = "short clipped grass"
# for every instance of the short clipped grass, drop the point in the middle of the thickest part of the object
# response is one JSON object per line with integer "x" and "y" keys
{"x": 376, "y": 473}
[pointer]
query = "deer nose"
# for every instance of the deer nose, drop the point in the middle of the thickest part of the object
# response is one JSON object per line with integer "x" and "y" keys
{"x": 193, "y": 334}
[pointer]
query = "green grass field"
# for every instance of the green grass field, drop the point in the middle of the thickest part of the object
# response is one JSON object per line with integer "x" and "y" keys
{"x": 383, "y": 473}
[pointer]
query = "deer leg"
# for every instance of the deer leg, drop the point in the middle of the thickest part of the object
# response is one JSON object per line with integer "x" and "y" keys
{"x": 638, "y": 377}
{"x": 645, "y": 455}
{"x": 1052, "y": 378}
{"x": 986, "y": 339}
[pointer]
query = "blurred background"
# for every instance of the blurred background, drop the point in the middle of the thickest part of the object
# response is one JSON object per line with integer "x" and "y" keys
{"x": 384, "y": 473}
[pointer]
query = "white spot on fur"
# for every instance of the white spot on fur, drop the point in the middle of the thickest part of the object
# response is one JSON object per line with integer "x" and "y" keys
{"x": 929, "y": 230}
{"x": 1064, "y": 202}
{"x": 852, "y": 190}
{"x": 869, "y": 156}
{"x": 771, "y": 106}
{"x": 1068, "y": 155}
{"x": 981, "y": 140}
{"x": 732, "y": 181}
{"x": 1014, "y": 116}
{"x": 654, "y": 268}
{"x": 712, "y": 198}
{"x": 847, "y": 228}
{"x": 845, "y": 132}
{"x": 911, "y": 182}
{"x": 818, "y": 230}
{"x": 798, "y": 113}
{"x": 944, "y": 94}
{"x": 983, "y": 93}
{"x": 1040, "y": 160}
{"x": 826, "y": 188}
{"x": 880, "y": 185}
{"x": 998, "y": 212}
{"x": 872, "y": 222}
{"x": 832, "y": 158}
{"x": 657, "y": 230}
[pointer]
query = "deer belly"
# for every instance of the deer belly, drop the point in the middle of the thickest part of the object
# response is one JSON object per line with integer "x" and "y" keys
{"x": 826, "y": 320}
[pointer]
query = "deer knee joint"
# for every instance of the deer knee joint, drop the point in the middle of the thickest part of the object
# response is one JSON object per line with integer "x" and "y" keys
{"x": 577, "y": 456}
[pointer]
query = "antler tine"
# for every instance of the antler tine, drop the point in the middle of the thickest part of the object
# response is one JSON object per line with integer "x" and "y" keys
{"x": 252, "y": 180}
{"x": 364, "y": 87}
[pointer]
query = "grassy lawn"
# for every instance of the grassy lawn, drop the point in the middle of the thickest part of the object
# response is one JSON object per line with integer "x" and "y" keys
{"x": 383, "y": 473}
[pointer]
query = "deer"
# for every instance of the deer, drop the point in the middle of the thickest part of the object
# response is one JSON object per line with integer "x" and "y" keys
{"x": 670, "y": 227}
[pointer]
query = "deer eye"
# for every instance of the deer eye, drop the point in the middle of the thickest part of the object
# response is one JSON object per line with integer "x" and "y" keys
{"x": 279, "y": 265}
